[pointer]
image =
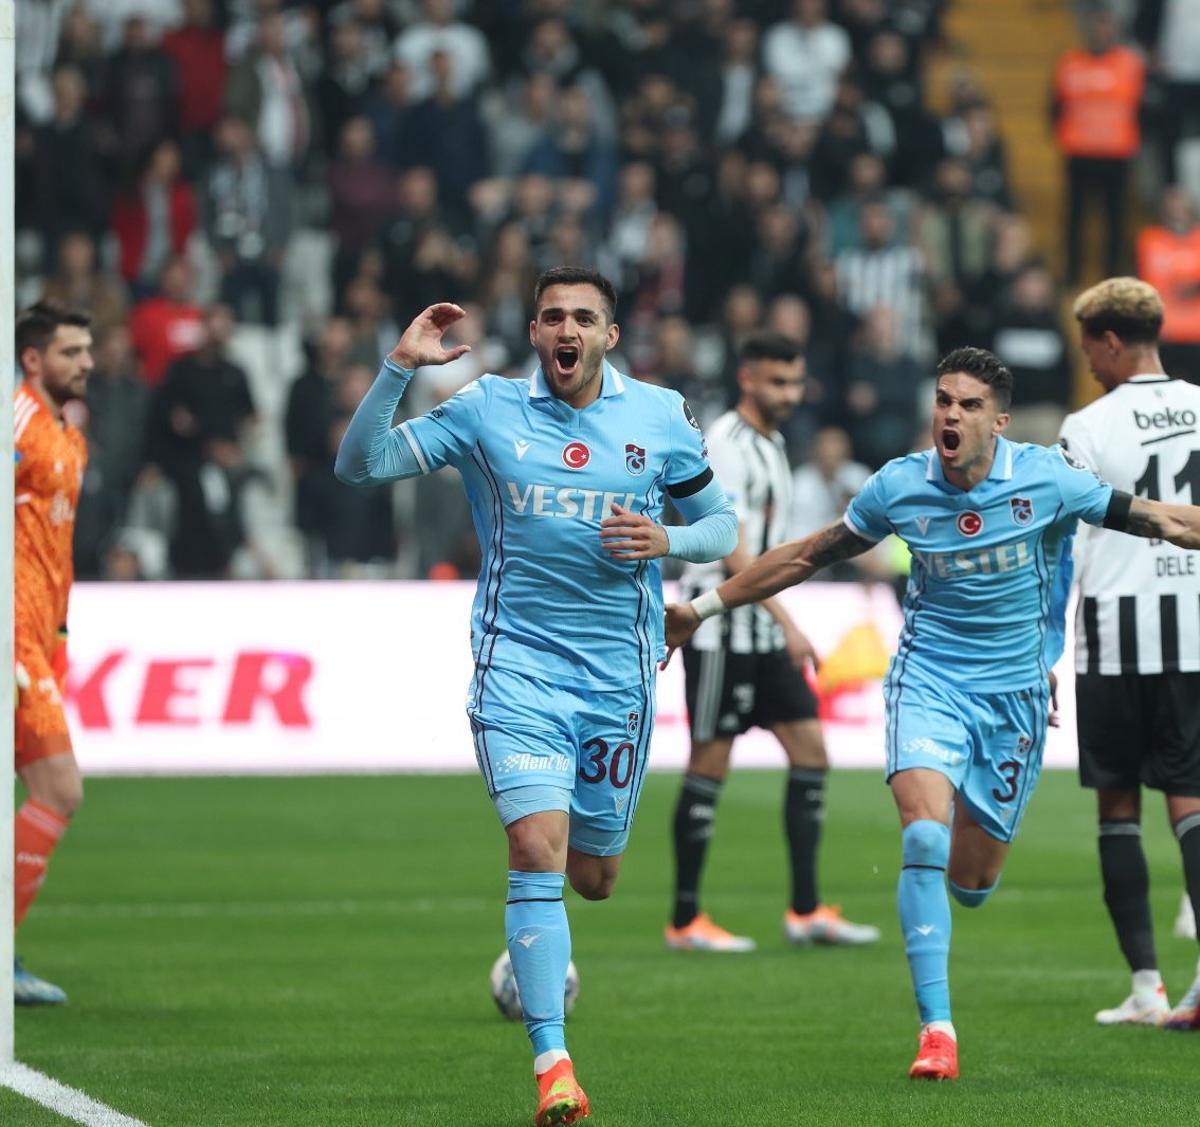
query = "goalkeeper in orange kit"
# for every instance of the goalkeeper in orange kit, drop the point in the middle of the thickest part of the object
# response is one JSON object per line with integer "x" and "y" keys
{"x": 54, "y": 350}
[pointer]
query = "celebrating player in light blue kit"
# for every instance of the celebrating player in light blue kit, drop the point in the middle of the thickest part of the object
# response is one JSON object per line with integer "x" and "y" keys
{"x": 968, "y": 697}
{"x": 566, "y": 473}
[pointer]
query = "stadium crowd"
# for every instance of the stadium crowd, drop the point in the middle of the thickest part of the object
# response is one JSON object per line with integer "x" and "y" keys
{"x": 252, "y": 196}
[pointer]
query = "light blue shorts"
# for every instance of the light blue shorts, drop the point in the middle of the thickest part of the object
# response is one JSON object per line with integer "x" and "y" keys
{"x": 542, "y": 746}
{"x": 989, "y": 745}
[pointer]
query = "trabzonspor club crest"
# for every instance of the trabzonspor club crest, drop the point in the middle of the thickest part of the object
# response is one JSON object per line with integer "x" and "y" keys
{"x": 635, "y": 458}
{"x": 1022, "y": 510}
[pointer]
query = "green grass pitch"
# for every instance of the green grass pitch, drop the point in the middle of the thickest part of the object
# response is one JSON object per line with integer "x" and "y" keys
{"x": 256, "y": 952}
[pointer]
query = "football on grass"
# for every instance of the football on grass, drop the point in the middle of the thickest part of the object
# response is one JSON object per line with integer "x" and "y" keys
{"x": 508, "y": 998}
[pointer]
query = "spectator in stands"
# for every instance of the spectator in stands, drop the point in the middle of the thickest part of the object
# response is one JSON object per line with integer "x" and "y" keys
{"x": 345, "y": 82}
{"x": 891, "y": 81}
{"x": 449, "y": 135}
{"x": 866, "y": 180}
{"x": 632, "y": 217}
{"x": 418, "y": 209}
{"x": 685, "y": 172}
{"x": 805, "y": 54}
{"x": 78, "y": 283}
{"x": 885, "y": 274}
{"x": 438, "y": 32}
{"x": 1028, "y": 337}
{"x": 199, "y": 418}
{"x": 571, "y": 151}
{"x": 985, "y": 155}
{"x": 882, "y": 389}
{"x": 355, "y": 526}
{"x": 506, "y": 281}
{"x": 954, "y": 231}
{"x": 1097, "y": 95}
{"x": 738, "y": 74}
{"x": 1169, "y": 31}
{"x": 81, "y": 46}
{"x": 517, "y": 118}
{"x": 741, "y": 316}
{"x": 143, "y": 93}
{"x": 168, "y": 324}
{"x": 311, "y": 412}
{"x": 67, "y": 181}
{"x": 362, "y": 195}
{"x": 198, "y": 51}
{"x": 117, "y": 404}
{"x": 248, "y": 219}
{"x": 778, "y": 263}
{"x": 824, "y": 483}
{"x": 853, "y": 126}
{"x": 1169, "y": 259}
{"x": 390, "y": 112}
{"x": 267, "y": 91}
{"x": 378, "y": 26}
{"x": 1012, "y": 251}
{"x": 154, "y": 218}
{"x": 113, "y": 17}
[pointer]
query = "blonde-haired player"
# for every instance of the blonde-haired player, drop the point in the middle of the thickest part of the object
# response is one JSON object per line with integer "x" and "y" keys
{"x": 1137, "y": 636}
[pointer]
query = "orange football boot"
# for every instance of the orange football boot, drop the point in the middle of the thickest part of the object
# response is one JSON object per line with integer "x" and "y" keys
{"x": 561, "y": 1099}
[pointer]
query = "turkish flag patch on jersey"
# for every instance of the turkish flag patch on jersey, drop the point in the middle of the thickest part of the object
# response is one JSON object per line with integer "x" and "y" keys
{"x": 969, "y": 523}
{"x": 575, "y": 455}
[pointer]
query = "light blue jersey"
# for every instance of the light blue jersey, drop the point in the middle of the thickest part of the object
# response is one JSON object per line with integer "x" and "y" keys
{"x": 991, "y": 567}
{"x": 540, "y": 476}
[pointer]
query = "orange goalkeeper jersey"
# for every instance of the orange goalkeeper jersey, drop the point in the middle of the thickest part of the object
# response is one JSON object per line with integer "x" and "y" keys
{"x": 50, "y": 460}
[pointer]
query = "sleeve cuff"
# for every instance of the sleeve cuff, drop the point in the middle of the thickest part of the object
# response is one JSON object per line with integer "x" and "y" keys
{"x": 396, "y": 370}
{"x": 849, "y": 523}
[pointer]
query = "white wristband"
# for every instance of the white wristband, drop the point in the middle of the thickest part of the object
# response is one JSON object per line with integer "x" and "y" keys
{"x": 707, "y": 605}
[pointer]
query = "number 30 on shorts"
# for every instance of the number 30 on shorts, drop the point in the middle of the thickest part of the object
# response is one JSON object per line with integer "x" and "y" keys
{"x": 618, "y": 769}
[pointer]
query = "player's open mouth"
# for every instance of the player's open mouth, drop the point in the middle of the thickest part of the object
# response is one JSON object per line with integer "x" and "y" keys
{"x": 950, "y": 440}
{"x": 566, "y": 359}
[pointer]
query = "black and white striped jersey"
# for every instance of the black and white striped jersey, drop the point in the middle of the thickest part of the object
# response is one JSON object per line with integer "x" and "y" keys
{"x": 1139, "y": 600}
{"x": 753, "y": 470}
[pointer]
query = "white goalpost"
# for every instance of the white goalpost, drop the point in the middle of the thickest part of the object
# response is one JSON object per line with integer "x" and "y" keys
{"x": 7, "y": 380}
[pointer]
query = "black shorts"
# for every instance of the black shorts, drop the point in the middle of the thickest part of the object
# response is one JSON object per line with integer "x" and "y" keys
{"x": 1139, "y": 730}
{"x": 729, "y": 693}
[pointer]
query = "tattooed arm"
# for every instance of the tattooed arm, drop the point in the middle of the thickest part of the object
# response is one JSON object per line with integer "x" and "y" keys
{"x": 1180, "y": 524}
{"x": 781, "y": 567}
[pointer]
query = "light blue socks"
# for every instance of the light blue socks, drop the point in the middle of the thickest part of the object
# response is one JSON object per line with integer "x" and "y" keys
{"x": 925, "y": 915}
{"x": 539, "y": 945}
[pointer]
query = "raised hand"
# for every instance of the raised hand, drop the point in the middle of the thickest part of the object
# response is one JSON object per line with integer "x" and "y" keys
{"x": 421, "y": 343}
{"x": 631, "y": 536}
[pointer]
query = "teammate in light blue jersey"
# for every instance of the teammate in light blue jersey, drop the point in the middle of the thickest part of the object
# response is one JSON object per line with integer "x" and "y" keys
{"x": 566, "y": 473}
{"x": 968, "y": 695}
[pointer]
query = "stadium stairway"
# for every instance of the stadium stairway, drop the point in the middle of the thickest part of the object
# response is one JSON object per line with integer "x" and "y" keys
{"x": 1012, "y": 46}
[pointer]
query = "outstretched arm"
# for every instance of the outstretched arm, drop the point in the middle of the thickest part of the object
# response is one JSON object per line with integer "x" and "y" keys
{"x": 781, "y": 567}
{"x": 1180, "y": 524}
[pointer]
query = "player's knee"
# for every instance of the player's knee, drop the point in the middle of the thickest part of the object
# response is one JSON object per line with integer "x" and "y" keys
{"x": 926, "y": 842}
{"x": 594, "y": 886}
{"x": 972, "y": 897}
{"x": 531, "y": 850}
{"x": 68, "y": 796}
{"x": 591, "y": 877}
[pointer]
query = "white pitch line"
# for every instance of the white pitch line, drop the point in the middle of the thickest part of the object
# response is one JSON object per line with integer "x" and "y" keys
{"x": 70, "y": 1103}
